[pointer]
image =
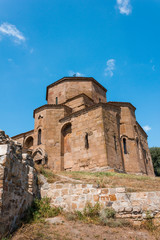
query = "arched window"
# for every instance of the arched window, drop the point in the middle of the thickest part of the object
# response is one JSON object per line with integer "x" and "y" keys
{"x": 39, "y": 136}
{"x": 86, "y": 141}
{"x": 66, "y": 141}
{"x": 28, "y": 142}
{"x": 124, "y": 146}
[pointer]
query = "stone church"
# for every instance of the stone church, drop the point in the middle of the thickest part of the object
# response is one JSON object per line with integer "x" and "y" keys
{"x": 78, "y": 130}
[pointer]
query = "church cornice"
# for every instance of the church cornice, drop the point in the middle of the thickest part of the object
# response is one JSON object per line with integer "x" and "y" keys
{"x": 51, "y": 106}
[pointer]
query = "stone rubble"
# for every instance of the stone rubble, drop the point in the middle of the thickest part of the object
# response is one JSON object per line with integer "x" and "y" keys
{"x": 18, "y": 183}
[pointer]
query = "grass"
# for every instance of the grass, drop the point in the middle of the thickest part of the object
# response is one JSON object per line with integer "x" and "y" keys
{"x": 107, "y": 217}
{"x": 40, "y": 210}
{"x": 96, "y": 215}
{"x": 37, "y": 229}
{"x": 47, "y": 173}
{"x": 132, "y": 183}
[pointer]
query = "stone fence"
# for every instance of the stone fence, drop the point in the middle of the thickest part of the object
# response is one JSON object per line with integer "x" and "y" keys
{"x": 136, "y": 205}
{"x": 18, "y": 184}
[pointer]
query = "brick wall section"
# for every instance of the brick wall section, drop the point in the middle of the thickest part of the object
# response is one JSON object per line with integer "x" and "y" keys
{"x": 73, "y": 197}
{"x": 17, "y": 184}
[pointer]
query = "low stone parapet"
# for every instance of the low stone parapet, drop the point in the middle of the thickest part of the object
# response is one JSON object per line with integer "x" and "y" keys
{"x": 135, "y": 205}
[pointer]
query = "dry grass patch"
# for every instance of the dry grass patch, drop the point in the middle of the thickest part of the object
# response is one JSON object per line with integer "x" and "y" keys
{"x": 71, "y": 230}
{"x": 133, "y": 183}
{"x": 47, "y": 173}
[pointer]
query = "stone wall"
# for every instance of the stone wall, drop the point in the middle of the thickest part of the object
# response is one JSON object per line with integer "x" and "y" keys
{"x": 47, "y": 120}
{"x": 18, "y": 183}
{"x": 69, "y": 88}
{"x": 137, "y": 158}
{"x": 79, "y": 102}
{"x": 127, "y": 122}
{"x": 143, "y": 151}
{"x": 135, "y": 206}
{"x": 86, "y": 124}
{"x": 112, "y": 137}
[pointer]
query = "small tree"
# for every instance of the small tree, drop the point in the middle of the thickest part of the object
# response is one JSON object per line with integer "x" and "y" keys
{"x": 155, "y": 154}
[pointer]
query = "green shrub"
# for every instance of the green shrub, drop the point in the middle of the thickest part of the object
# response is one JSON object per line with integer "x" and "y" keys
{"x": 41, "y": 209}
{"x": 107, "y": 213}
{"x": 148, "y": 215}
{"x": 79, "y": 215}
{"x": 47, "y": 173}
{"x": 155, "y": 154}
{"x": 91, "y": 211}
{"x": 149, "y": 225}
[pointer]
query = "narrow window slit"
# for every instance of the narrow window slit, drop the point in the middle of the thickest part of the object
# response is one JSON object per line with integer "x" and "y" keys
{"x": 56, "y": 100}
{"x": 39, "y": 136}
{"x": 124, "y": 146}
{"x": 115, "y": 143}
{"x": 86, "y": 141}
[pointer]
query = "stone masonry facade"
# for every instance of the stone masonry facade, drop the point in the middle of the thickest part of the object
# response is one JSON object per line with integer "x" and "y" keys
{"x": 78, "y": 130}
{"x": 18, "y": 184}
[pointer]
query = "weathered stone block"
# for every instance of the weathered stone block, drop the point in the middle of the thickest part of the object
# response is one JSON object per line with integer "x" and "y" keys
{"x": 96, "y": 198}
{"x": 74, "y": 206}
{"x": 104, "y": 191}
{"x": 112, "y": 197}
{"x": 4, "y": 150}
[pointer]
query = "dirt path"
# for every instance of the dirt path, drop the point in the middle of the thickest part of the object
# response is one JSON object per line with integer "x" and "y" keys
{"x": 70, "y": 230}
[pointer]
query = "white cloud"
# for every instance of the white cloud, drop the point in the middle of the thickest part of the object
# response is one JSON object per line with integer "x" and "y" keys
{"x": 10, "y": 30}
{"x": 153, "y": 68}
{"x": 124, "y": 6}
{"x": 77, "y": 74}
{"x": 110, "y": 67}
{"x": 31, "y": 50}
{"x": 147, "y": 128}
{"x": 10, "y": 60}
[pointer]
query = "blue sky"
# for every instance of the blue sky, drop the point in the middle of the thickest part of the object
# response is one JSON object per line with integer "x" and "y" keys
{"x": 115, "y": 41}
